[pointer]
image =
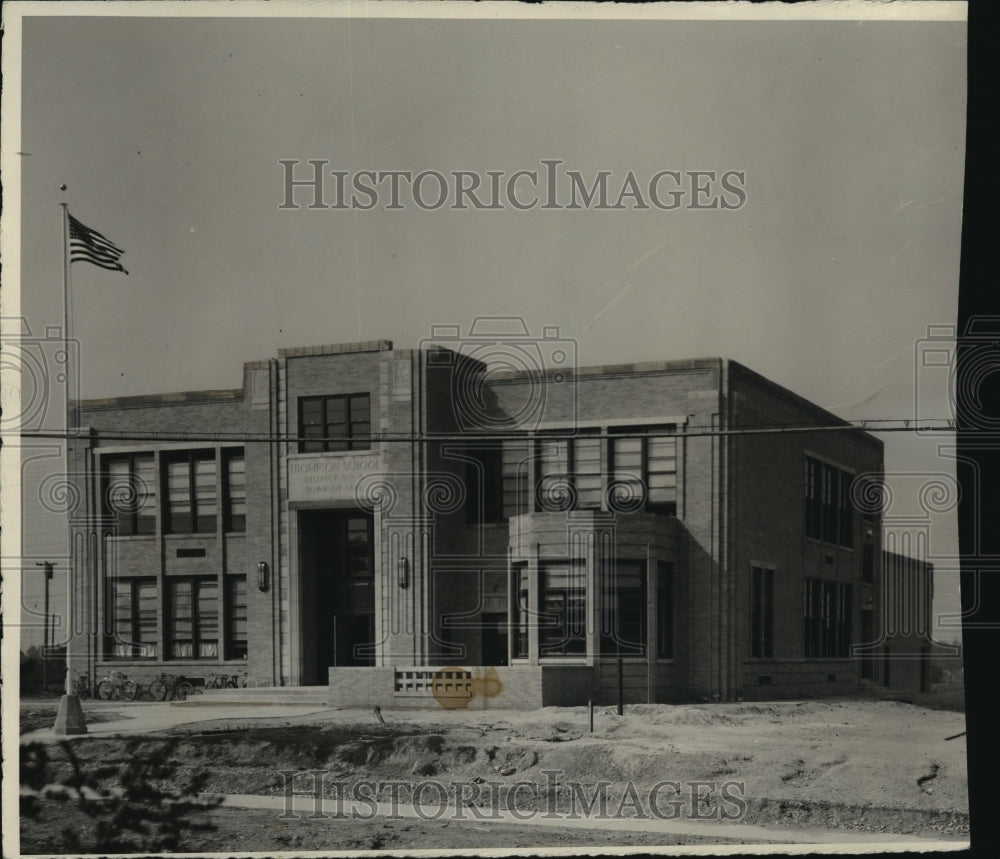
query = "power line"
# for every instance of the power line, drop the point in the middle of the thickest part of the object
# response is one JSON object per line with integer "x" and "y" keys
{"x": 872, "y": 425}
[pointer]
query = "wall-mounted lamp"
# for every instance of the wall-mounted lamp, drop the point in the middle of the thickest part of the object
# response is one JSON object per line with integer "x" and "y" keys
{"x": 403, "y": 570}
{"x": 262, "y": 576}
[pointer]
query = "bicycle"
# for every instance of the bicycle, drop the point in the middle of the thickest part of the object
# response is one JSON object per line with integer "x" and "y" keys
{"x": 226, "y": 681}
{"x": 170, "y": 687}
{"x": 81, "y": 685}
{"x": 220, "y": 681}
{"x": 117, "y": 686}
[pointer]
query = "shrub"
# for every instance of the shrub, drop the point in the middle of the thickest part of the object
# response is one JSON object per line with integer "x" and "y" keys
{"x": 136, "y": 807}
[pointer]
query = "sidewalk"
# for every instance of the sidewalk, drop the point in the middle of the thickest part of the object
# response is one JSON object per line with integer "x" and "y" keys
{"x": 306, "y": 807}
{"x": 152, "y": 717}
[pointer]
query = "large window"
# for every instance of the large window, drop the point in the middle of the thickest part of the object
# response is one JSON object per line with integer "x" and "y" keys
{"x": 665, "y": 610}
{"x": 839, "y": 619}
{"x": 644, "y": 471}
{"x": 761, "y": 613}
{"x": 812, "y": 610}
{"x": 635, "y": 470}
{"x": 569, "y": 473}
{"x": 193, "y": 606}
{"x": 623, "y": 609}
{"x": 514, "y": 477}
{"x": 129, "y": 492}
{"x": 827, "y": 609}
{"x": 235, "y": 490}
{"x": 236, "y": 617}
{"x": 519, "y": 611}
{"x": 497, "y": 480}
{"x": 563, "y": 616}
{"x": 869, "y": 524}
{"x": 335, "y": 423}
{"x": 555, "y": 489}
{"x": 829, "y": 512}
{"x": 192, "y": 500}
{"x": 133, "y": 604}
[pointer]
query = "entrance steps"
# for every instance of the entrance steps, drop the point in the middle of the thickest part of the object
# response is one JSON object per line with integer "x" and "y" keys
{"x": 264, "y": 695}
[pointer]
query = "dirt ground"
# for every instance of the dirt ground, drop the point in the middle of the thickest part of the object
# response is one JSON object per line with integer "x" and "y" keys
{"x": 860, "y": 766}
{"x": 239, "y": 829}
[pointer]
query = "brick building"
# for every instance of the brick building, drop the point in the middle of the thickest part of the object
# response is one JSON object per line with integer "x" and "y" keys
{"x": 407, "y": 526}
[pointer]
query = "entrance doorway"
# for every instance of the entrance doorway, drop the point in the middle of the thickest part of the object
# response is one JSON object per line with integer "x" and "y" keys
{"x": 337, "y": 563}
{"x": 494, "y": 639}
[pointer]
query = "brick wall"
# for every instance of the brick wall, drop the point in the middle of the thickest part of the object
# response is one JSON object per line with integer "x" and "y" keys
{"x": 161, "y": 555}
{"x": 518, "y": 687}
{"x": 769, "y": 529}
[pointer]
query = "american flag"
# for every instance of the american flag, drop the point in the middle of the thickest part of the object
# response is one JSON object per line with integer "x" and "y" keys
{"x": 87, "y": 245}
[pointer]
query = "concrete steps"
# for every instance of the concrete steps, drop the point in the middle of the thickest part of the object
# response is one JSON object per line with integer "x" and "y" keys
{"x": 265, "y": 695}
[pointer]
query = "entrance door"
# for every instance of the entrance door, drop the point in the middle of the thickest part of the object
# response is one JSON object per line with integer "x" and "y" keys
{"x": 494, "y": 641}
{"x": 338, "y": 570}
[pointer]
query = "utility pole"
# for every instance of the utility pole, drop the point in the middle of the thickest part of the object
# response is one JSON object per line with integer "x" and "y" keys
{"x": 45, "y": 631}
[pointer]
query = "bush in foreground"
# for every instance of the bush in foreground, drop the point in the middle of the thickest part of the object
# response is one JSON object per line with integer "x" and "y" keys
{"x": 135, "y": 806}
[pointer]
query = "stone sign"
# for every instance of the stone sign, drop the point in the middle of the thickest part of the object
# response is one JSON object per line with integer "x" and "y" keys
{"x": 332, "y": 478}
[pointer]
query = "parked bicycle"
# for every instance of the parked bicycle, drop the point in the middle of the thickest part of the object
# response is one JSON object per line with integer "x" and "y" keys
{"x": 81, "y": 685}
{"x": 117, "y": 686}
{"x": 170, "y": 687}
{"x": 220, "y": 681}
{"x": 226, "y": 681}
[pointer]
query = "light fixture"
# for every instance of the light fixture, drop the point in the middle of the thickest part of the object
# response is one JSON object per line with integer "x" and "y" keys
{"x": 403, "y": 570}
{"x": 262, "y": 575}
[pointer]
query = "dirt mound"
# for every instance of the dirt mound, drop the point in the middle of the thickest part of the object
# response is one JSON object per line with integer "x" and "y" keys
{"x": 874, "y": 765}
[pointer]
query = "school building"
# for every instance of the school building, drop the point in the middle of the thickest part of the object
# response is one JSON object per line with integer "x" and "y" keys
{"x": 412, "y": 527}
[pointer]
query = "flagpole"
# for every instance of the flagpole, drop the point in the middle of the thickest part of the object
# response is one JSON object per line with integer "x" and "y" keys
{"x": 66, "y": 321}
{"x": 69, "y": 718}
{"x": 68, "y": 685}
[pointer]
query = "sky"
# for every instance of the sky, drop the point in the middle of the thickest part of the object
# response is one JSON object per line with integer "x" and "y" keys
{"x": 168, "y": 133}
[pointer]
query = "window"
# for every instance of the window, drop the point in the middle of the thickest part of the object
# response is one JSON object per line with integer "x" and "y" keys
{"x": 191, "y": 493}
{"x": 868, "y": 527}
{"x": 587, "y": 479}
{"x": 496, "y": 481}
{"x": 827, "y": 609}
{"x": 555, "y": 491}
{"x": 761, "y": 613}
{"x": 665, "y": 610}
{"x": 519, "y": 615}
{"x": 563, "y": 601}
{"x": 514, "y": 477}
{"x": 335, "y": 423}
{"x": 841, "y": 620}
{"x": 129, "y": 492}
{"x": 236, "y": 617}
{"x": 569, "y": 473}
{"x": 829, "y": 513}
{"x": 133, "y": 606}
{"x": 644, "y": 471}
{"x": 661, "y": 474}
{"x": 623, "y": 611}
{"x": 193, "y": 606}
{"x": 811, "y": 612}
{"x": 235, "y": 474}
